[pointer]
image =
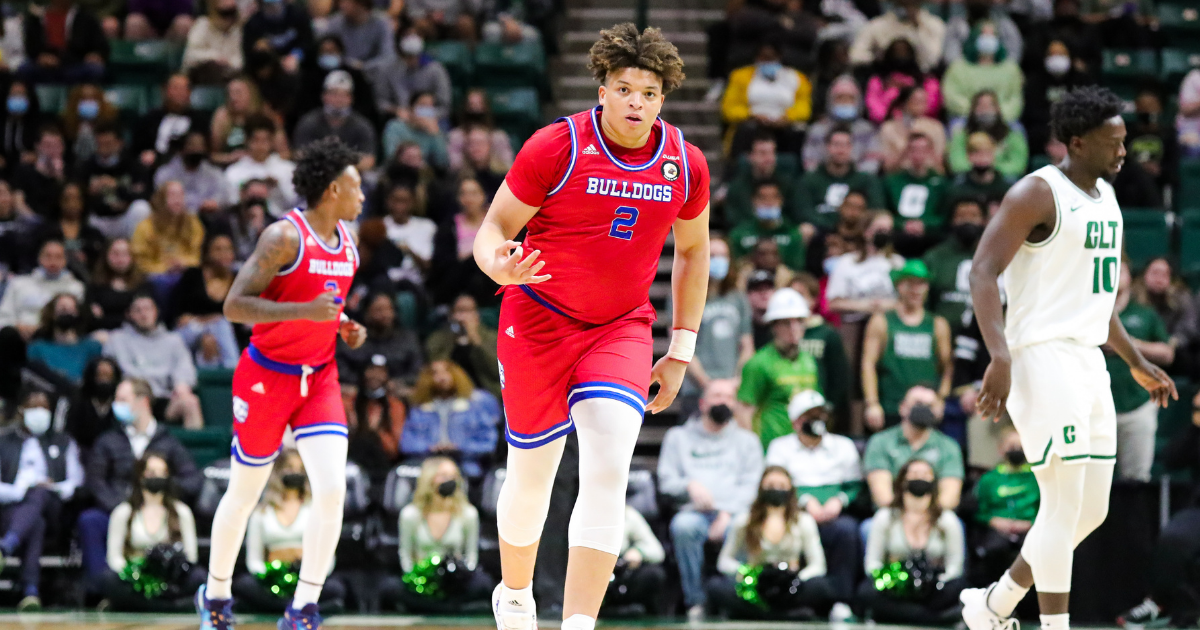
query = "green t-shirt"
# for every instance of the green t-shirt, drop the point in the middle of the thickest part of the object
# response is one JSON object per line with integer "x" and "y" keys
{"x": 949, "y": 267}
{"x": 739, "y": 196}
{"x": 964, "y": 186}
{"x": 918, "y": 198}
{"x": 824, "y": 343}
{"x": 908, "y": 359}
{"x": 718, "y": 342}
{"x": 791, "y": 245}
{"x": 888, "y": 450}
{"x": 820, "y": 194}
{"x": 1145, "y": 324}
{"x": 768, "y": 382}
{"x": 1008, "y": 492}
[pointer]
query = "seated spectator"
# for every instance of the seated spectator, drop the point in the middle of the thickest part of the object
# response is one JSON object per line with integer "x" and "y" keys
{"x": 1045, "y": 84}
{"x": 986, "y": 115}
{"x": 959, "y": 27}
{"x": 787, "y": 23}
{"x": 408, "y": 167}
{"x": 898, "y": 69}
{"x": 763, "y": 166}
{"x": 205, "y": 188}
{"x": 829, "y": 243}
{"x": 337, "y": 118}
{"x": 248, "y": 219}
{"x": 1122, "y": 24}
{"x": 769, "y": 224}
{"x": 86, "y": 107}
{"x": 766, "y": 97}
{"x": 916, "y": 437}
{"x": 907, "y": 20}
{"x": 112, "y": 181}
{"x": 59, "y": 343}
{"x": 916, "y": 524}
{"x": 68, "y": 224}
{"x": 466, "y": 342}
{"x": 860, "y": 281}
{"x": 213, "y": 54}
{"x": 375, "y": 419}
{"x": 386, "y": 337}
{"x": 710, "y": 467}
{"x": 480, "y": 163}
{"x": 331, "y": 56}
{"x": 152, "y": 516}
{"x": 906, "y": 116}
{"x": 843, "y": 109}
{"x": 114, "y": 282}
{"x": 230, "y": 135}
{"x": 826, "y": 474}
{"x": 949, "y": 263}
{"x": 1188, "y": 121}
{"x": 821, "y": 190}
{"x": 156, "y": 134}
{"x": 277, "y": 30}
{"x": 439, "y": 504}
{"x": 985, "y": 64}
{"x": 413, "y": 235}
{"x": 154, "y": 19}
{"x": 421, "y": 128}
{"x": 442, "y": 19}
{"x": 15, "y": 230}
{"x": 413, "y": 72}
{"x": 454, "y": 270}
{"x": 198, "y": 301}
{"x": 169, "y": 240}
{"x": 915, "y": 196}
{"x": 25, "y": 295}
{"x": 1008, "y": 499}
{"x": 638, "y": 578}
{"x": 20, "y": 121}
{"x": 90, "y": 413}
{"x": 275, "y": 533}
{"x": 450, "y": 417}
{"x": 382, "y": 265}
{"x": 366, "y": 34}
{"x": 509, "y": 23}
{"x": 63, "y": 44}
{"x": 1151, "y": 139}
{"x": 145, "y": 349}
{"x": 39, "y": 471}
{"x": 982, "y": 181}
{"x": 476, "y": 113}
{"x": 41, "y": 179}
{"x": 260, "y": 162}
{"x": 111, "y": 464}
{"x": 775, "y": 532}
{"x": 764, "y": 259}
{"x": 1160, "y": 288}
{"x": 779, "y": 368}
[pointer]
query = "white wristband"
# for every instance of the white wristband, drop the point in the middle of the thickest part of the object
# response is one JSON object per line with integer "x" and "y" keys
{"x": 683, "y": 345}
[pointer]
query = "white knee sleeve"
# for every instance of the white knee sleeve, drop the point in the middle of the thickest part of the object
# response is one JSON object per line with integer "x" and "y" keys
{"x": 525, "y": 494}
{"x": 1097, "y": 485}
{"x": 324, "y": 458}
{"x": 608, "y": 431}
{"x": 246, "y": 484}
{"x": 1050, "y": 544}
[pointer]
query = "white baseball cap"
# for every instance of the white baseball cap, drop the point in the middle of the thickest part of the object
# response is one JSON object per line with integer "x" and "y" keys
{"x": 786, "y": 303}
{"x": 804, "y": 402}
{"x": 339, "y": 80}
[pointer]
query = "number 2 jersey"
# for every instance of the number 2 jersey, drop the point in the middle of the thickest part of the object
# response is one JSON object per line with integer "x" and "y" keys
{"x": 605, "y": 212}
{"x": 1065, "y": 286}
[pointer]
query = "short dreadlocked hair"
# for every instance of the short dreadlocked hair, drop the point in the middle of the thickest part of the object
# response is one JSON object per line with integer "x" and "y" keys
{"x": 1082, "y": 110}
{"x": 623, "y": 47}
{"x": 320, "y": 163}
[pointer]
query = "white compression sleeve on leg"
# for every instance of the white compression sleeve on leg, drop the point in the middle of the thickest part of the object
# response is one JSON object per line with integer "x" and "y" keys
{"x": 608, "y": 431}
{"x": 525, "y": 495}
{"x": 1050, "y": 544}
{"x": 324, "y": 458}
{"x": 1097, "y": 484}
{"x": 246, "y": 484}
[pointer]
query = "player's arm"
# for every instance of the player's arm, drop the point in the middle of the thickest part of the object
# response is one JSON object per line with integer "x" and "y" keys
{"x": 689, "y": 289}
{"x": 1150, "y": 376}
{"x": 1026, "y": 210}
{"x": 277, "y": 248}
{"x": 496, "y": 253}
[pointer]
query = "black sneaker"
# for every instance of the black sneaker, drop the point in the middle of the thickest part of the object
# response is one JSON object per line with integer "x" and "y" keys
{"x": 1140, "y": 616}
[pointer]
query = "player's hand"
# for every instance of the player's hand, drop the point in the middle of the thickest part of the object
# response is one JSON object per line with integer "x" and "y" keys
{"x": 353, "y": 333}
{"x": 997, "y": 380}
{"x": 1155, "y": 380}
{"x": 326, "y": 307}
{"x": 668, "y": 373}
{"x": 510, "y": 268}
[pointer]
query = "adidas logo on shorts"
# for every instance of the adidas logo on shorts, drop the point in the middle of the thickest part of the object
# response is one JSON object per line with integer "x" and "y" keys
{"x": 591, "y": 150}
{"x": 510, "y": 332}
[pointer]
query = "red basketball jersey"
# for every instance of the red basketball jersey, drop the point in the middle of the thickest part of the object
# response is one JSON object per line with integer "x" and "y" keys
{"x": 603, "y": 220}
{"x": 318, "y": 268}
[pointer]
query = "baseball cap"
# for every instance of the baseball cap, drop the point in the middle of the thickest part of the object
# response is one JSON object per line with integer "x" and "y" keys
{"x": 786, "y": 303}
{"x": 803, "y": 402}
{"x": 760, "y": 277}
{"x": 339, "y": 80}
{"x": 914, "y": 268}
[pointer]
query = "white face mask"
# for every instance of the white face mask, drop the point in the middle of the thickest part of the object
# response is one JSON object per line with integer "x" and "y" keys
{"x": 412, "y": 45}
{"x": 1058, "y": 65}
{"x": 37, "y": 420}
{"x": 987, "y": 44}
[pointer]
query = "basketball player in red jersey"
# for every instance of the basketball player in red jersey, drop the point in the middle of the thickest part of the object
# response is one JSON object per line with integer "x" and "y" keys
{"x": 292, "y": 289}
{"x": 598, "y": 191}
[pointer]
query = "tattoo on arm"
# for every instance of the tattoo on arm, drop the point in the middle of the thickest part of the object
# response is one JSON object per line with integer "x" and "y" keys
{"x": 277, "y": 248}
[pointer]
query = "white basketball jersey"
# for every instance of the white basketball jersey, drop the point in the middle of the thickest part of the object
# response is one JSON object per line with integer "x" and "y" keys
{"x": 1065, "y": 286}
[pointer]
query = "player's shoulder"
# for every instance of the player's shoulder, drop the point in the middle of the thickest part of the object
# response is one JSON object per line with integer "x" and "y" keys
{"x": 280, "y": 241}
{"x": 695, "y": 156}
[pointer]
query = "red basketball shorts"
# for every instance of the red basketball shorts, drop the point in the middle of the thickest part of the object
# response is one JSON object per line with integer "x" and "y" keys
{"x": 269, "y": 396}
{"x": 549, "y": 361}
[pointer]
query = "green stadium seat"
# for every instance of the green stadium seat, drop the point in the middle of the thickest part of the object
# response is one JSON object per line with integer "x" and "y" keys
{"x": 498, "y": 65}
{"x": 1147, "y": 234}
{"x": 407, "y": 309}
{"x": 1189, "y": 246}
{"x": 1129, "y": 64}
{"x": 128, "y": 98}
{"x": 52, "y": 99}
{"x": 1179, "y": 18}
{"x": 215, "y": 390}
{"x": 1176, "y": 62}
{"x": 146, "y": 63}
{"x": 456, "y": 56}
{"x": 785, "y": 163}
{"x": 1189, "y": 184}
{"x": 206, "y": 445}
{"x": 515, "y": 106}
{"x": 208, "y": 97}
{"x": 1172, "y": 419}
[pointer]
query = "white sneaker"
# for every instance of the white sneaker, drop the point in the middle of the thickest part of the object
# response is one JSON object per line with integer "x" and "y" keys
{"x": 840, "y": 613}
{"x": 511, "y": 620}
{"x": 695, "y": 614}
{"x": 979, "y": 616}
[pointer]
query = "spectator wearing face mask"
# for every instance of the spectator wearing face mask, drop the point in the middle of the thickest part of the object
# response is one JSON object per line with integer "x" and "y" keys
{"x": 213, "y": 53}
{"x": 90, "y": 413}
{"x": 331, "y": 56}
{"x": 907, "y": 20}
{"x": 386, "y": 336}
{"x": 25, "y": 295}
{"x": 205, "y": 187}
{"x": 112, "y": 180}
{"x": 39, "y": 470}
{"x": 766, "y": 98}
{"x": 1008, "y": 499}
{"x": 1011, "y": 151}
{"x": 59, "y": 343}
{"x": 421, "y": 128}
{"x": 915, "y": 196}
{"x": 916, "y": 437}
{"x": 908, "y": 115}
{"x": 710, "y": 467}
{"x": 761, "y": 165}
{"x": 413, "y": 72}
{"x": 983, "y": 181}
{"x": 985, "y": 64}
{"x": 895, "y": 70}
{"x": 279, "y": 28}
{"x": 828, "y": 243}
{"x": 338, "y": 118}
{"x": 375, "y": 417}
{"x": 822, "y": 189}
{"x": 1046, "y": 81}
{"x": 769, "y": 223}
{"x": 475, "y": 114}
{"x": 155, "y": 135}
{"x": 958, "y": 29}
{"x": 262, "y": 163}
{"x": 468, "y": 343}
{"x": 949, "y": 263}
{"x": 843, "y": 111}
{"x": 20, "y": 122}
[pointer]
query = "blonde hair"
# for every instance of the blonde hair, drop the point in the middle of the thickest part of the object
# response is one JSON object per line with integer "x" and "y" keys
{"x": 273, "y": 496}
{"x": 426, "y": 493}
{"x": 423, "y": 390}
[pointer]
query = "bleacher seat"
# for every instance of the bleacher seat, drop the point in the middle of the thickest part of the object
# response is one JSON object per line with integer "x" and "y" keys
{"x": 1122, "y": 65}
{"x": 207, "y": 445}
{"x": 1177, "y": 62}
{"x": 1147, "y": 234}
{"x": 146, "y": 63}
{"x": 130, "y": 99}
{"x": 52, "y": 99}
{"x": 516, "y": 110}
{"x": 1189, "y": 247}
{"x": 1189, "y": 184}
{"x": 1180, "y": 21}
{"x": 215, "y": 390}
{"x": 398, "y": 489}
{"x": 208, "y": 97}
{"x": 499, "y": 65}
{"x": 642, "y": 493}
{"x": 456, "y": 56}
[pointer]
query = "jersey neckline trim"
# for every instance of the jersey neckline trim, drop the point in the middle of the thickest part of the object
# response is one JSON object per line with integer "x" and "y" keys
{"x": 600, "y": 137}
{"x": 320, "y": 241}
{"x": 1076, "y": 187}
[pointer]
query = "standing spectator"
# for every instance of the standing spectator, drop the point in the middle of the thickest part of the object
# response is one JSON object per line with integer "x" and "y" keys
{"x": 64, "y": 44}
{"x": 1045, "y": 83}
{"x": 766, "y": 97}
{"x": 113, "y": 284}
{"x": 213, "y": 54}
{"x": 412, "y": 235}
{"x": 90, "y": 413}
{"x": 1151, "y": 139}
{"x": 985, "y": 64}
{"x": 156, "y": 134}
{"x": 278, "y": 29}
{"x": 41, "y": 180}
{"x": 915, "y": 195}
{"x": 477, "y": 113}
{"x": 198, "y": 301}
{"x": 385, "y": 337}
{"x": 169, "y": 240}
{"x": 454, "y": 270}
{"x": 449, "y": 416}
{"x": 908, "y": 115}
{"x": 711, "y": 467}
{"x": 987, "y": 115}
{"x": 205, "y": 188}
{"x": 762, "y": 165}
{"x": 982, "y": 181}
{"x": 331, "y": 56}
{"x": 113, "y": 180}
{"x": 59, "y": 344}
{"x": 243, "y": 102}
{"x": 822, "y": 189}
{"x": 69, "y": 225}
{"x": 158, "y": 19}
{"x": 466, "y": 342}
{"x": 1008, "y": 499}
{"x": 365, "y": 33}
{"x": 26, "y": 295}
{"x": 443, "y": 19}
{"x": 959, "y": 27}
{"x": 413, "y": 72}
{"x": 337, "y": 118}
{"x": 916, "y": 437}
{"x": 949, "y": 264}
{"x": 860, "y": 284}
{"x": 145, "y": 349}
{"x": 1163, "y": 290}
{"x": 421, "y": 128}
{"x": 896, "y": 70}
{"x": 376, "y": 422}
{"x": 780, "y": 369}
{"x": 826, "y": 474}
{"x": 844, "y": 110}
{"x": 904, "y": 348}
{"x": 21, "y": 121}
{"x": 86, "y": 107}
{"x": 769, "y": 224}
{"x": 260, "y": 162}
{"x": 907, "y": 20}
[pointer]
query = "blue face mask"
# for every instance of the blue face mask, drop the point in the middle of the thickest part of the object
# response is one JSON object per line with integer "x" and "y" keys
{"x": 329, "y": 61}
{"x": 769, "y": 69}
{"x": 89, "y": 109}
{"x": 18, "y": 104}
{"x": 718, "y": 267}
{"x": 122, "y": 412}
{"x": 830, "y": 263}
{"x": 337, "y": 112}
{"x": 844, "y": 111}
{"x": 768, "y": 213}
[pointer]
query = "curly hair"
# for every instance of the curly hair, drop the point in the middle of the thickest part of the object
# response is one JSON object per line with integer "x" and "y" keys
{"x": 1082, "y": 110}
{"x": 623, "y": 47}
{"x": 320, "y": 163}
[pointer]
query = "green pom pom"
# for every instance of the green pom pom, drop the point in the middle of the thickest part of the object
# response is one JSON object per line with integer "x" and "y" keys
{"x": 144, "y": 581}
{"x": 746, "y": 585}
{"x": 893, "y": 578}
{"x": 425, "y": 579}
{"x": 280, "y": 578}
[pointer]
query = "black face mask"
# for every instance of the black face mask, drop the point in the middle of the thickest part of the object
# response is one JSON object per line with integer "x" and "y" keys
{"x": 720, "y": 414}
{"x": 881, "y": 240}
{"x": 968, "y": 233}
{"x": 66, "y": 321}
{"x": 447, "y": 488}
{"x": 229, "y": 13}
{"x": 921, "y": 416}
{"x": 980, "y": 171}
{"x": 775, "y": 496}
{"x": 1016, "y": 457}
{"x": 918, "y": 487}
{"x": 1147, "y": 118}
{"x": 192, "y": 160}
{"x": 155, "y": 485}
{"x": 294, "y": 481}
{"x": 104, "y": 391}
{"x": 814, "y": 428}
